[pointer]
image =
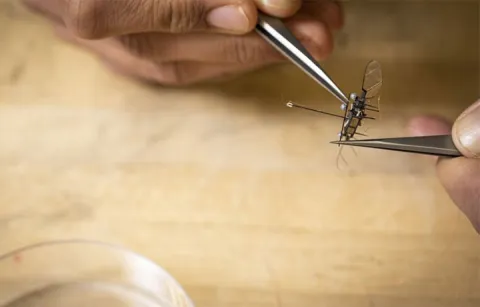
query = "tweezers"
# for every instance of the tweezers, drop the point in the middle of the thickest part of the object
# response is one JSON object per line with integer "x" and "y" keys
{"x": 275, "y": 32}
{"x": 437, "y": 145}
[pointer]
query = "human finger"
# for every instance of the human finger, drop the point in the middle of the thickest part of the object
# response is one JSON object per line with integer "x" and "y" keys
{"x": 429, "y": 125}
{"x": 460, "y": 176}
{"x": 279, "y": 8}
{"x": 328, "y": 11}
{"x": 168, "y": 73}
{"x": 466, "y": 131}
{"x": 180, "y": 73}
{"x": 94, "y": 19}
{"x": 217, "y": 48}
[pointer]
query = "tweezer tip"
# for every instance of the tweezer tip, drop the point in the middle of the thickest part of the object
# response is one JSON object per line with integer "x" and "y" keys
{"x": 349, "y": 142}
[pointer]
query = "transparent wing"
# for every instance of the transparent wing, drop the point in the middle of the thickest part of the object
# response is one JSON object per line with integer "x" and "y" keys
{"x": 372, "y": 80}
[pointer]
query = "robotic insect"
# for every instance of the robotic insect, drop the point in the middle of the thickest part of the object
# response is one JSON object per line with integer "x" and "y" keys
{"x": 355, "y": 110}
{"x": 358, "y": 105}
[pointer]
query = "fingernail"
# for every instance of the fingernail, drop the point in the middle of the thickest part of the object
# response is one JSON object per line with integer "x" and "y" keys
{"x": 282, "y": 4}
{"x": 467, "y": 130}
{"x": 232, "y": 18}
{"x": 283, "y": 8}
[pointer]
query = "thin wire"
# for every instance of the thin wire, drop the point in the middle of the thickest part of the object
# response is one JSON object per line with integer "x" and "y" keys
{"x": 291, "y": 105}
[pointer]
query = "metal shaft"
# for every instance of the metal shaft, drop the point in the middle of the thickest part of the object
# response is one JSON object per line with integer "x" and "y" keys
{"x": 437, "y": 145}
{"x": 277, "y": 34}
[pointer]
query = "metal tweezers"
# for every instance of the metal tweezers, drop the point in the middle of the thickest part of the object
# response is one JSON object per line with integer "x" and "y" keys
{"x": 275, "y": 32}
{"x": 436, "y": 145}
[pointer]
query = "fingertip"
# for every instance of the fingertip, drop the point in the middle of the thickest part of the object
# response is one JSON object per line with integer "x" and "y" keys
{"x": 333, "y": 15}
{"x": 315, "y": 35}
{"x": 428, "y": 125}
{"x": 416, "y": 126}
{"x": 330, "y": 12}
{"x": 340, "y": 21}
{"x": 466, "y": 131}
{"x": 64, "y": 34}
{"x": 251, "y": 13}
{"x": 279, "y": 8}
{"x": 234, "y": 19}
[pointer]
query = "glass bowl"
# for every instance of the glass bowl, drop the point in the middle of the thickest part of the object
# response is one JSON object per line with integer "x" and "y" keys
{"x": 85, "y": 273}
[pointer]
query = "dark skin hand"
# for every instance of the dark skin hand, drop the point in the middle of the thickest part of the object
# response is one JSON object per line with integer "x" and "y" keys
{"x": 179, "y": 42}
{"x": 459, "y": 176}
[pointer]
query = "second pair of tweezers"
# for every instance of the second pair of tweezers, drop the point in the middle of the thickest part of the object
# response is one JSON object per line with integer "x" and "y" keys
{"x": 436, "y": 145}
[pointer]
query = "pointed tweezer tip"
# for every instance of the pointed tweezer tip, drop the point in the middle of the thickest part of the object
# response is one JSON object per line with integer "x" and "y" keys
{"x": 363, "y": 143}
{"x": 349, "y": 142}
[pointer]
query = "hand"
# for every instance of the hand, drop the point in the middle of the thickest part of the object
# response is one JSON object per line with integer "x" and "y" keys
{"x": 459, "y": 176}
{"x": 178, "y": 42}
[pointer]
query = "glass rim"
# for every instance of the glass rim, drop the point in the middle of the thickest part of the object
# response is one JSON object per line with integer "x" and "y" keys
{"x": 108, "y": 247}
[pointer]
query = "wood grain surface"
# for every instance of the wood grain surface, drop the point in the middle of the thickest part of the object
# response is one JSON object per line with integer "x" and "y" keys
{"x": 239, "y": 197}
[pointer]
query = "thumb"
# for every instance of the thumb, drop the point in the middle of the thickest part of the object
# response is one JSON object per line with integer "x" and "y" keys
{"x": 466, "y": 131}
{"x": 461, "y": 176}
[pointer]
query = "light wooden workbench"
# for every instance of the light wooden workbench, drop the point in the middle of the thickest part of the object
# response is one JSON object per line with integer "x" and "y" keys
{"x": 236, "y": 195}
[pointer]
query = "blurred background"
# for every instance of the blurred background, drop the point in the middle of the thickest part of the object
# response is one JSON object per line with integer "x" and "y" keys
{"x": 239, "y": 197}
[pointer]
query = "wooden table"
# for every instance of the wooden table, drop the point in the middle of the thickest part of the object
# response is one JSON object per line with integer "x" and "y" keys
{"x": 236, "y": 195}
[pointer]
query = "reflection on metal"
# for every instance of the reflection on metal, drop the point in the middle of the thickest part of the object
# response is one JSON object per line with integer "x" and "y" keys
{"x": 275, "y": 32}
{"x": 436, "y": 145}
